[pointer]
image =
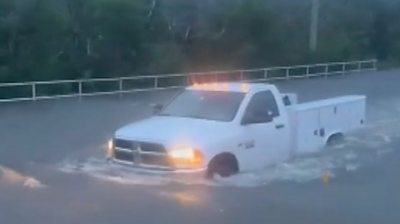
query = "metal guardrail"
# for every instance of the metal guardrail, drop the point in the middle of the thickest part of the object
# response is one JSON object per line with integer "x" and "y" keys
{"x": 11, "y": 92}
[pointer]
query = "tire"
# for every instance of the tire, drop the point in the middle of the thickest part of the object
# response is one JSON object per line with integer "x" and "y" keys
{"x": 335, "y": 139}
{"x": 224, "y": 165}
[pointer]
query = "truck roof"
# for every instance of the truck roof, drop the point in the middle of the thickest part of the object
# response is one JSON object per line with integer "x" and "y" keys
{"x": 231, "y": 87}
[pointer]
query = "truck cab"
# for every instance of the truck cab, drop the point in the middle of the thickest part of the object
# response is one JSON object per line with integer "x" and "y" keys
{"x": 263, "y": 127}
{"x": 223, "y": 129}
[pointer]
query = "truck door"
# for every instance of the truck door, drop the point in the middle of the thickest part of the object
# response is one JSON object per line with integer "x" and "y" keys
{"x": 264, "y": 132}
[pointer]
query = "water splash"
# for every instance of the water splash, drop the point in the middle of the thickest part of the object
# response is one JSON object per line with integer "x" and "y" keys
{"x": 14, "y": 177}
{"x": 368, "y": 144}
{"x": 356, "y": 152}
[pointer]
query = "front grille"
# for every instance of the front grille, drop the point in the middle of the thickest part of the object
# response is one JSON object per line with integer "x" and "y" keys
{"x": 124, "y": 144}
{"x": 144, "y": 146}
{"x": 151, "y": 147}
{"x": 141, "y": 153}
{"x": 155, "y": 160}
{"x": 124, "y": 156}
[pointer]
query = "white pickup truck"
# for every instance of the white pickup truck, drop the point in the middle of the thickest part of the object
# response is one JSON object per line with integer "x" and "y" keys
{"x": 228, "y": 128}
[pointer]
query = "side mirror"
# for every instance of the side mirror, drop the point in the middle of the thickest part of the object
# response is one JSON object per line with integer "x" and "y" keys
{"x": 157, "y": 108}
{"x": 286, "y": 101}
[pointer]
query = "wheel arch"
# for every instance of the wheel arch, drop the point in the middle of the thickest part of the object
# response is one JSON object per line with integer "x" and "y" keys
{"x": 334, "y": 136}
{"x": 224, "y": 156}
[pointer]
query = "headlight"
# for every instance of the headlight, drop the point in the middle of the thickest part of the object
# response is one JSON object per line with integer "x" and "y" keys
{"x": 186, "y": 158}
{"x": 110, "y": 148}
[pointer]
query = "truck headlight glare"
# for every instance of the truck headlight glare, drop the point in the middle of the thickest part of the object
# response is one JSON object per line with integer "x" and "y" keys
{"x": 110, "y": 148}
{"x": 185, "y": 153}
{"x": 186, "y": 158}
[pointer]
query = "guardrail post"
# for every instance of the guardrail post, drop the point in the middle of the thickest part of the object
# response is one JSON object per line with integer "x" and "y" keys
{"x": 359, "y": 66}
{"x": 241, "y": 76}
{"x": 120, "y": 87}
{"x": 343, "y": 68}
{"x": 287, "y": 73}
{"x": 326, "y": 70}
{"x": 265, "y": 74}
{"x": 80, "y": 88}
{"x": 308, "y": 71}
{"x": 374, "y": 65}
{"x": 155, "y": 82}
{"x": 33, "y": 91}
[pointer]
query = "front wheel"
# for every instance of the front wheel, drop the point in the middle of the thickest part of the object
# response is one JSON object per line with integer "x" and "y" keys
{"x": 224, "y": 165}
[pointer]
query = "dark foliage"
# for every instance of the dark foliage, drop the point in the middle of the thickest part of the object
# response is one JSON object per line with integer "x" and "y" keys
{"x": 72, "y": 39}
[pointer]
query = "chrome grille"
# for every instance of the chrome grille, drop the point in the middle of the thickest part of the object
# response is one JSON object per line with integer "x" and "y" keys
{"x": 123, "y": 155}
{"x": 144, "y": 146}
{"x": 141, "y": 153}
{"x": 151, "y": 147}
{"x": 124, "y": 144}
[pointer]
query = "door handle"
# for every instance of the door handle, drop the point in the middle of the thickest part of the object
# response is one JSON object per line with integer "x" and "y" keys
{"x": 322, "y": 132}
{"x": 279, "y": 126}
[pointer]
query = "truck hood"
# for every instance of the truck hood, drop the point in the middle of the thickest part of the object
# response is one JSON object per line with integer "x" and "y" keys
{"x": 176, "y": 130}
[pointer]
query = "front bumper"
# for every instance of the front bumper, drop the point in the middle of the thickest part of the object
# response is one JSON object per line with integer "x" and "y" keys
{"x": 149, "y": 169}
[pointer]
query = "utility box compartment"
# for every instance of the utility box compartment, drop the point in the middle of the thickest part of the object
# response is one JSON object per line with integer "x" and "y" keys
{"x": 313, "y": 123}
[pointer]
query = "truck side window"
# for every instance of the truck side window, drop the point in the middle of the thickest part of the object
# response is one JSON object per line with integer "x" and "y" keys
{"x": 262, "y": 105}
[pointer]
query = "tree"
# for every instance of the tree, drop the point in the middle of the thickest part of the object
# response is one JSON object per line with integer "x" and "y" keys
{"x": 72, "y": 39}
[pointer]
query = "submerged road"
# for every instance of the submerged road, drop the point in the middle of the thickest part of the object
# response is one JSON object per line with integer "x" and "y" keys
{"x": 52, "y": 171}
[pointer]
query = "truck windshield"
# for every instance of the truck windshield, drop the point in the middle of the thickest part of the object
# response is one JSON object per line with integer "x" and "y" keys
{"x": 210, "y": 105}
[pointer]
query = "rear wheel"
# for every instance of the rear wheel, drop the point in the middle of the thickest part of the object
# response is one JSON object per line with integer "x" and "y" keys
{"x": 224, "y": 165}
{"x": 335, "y": 139}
